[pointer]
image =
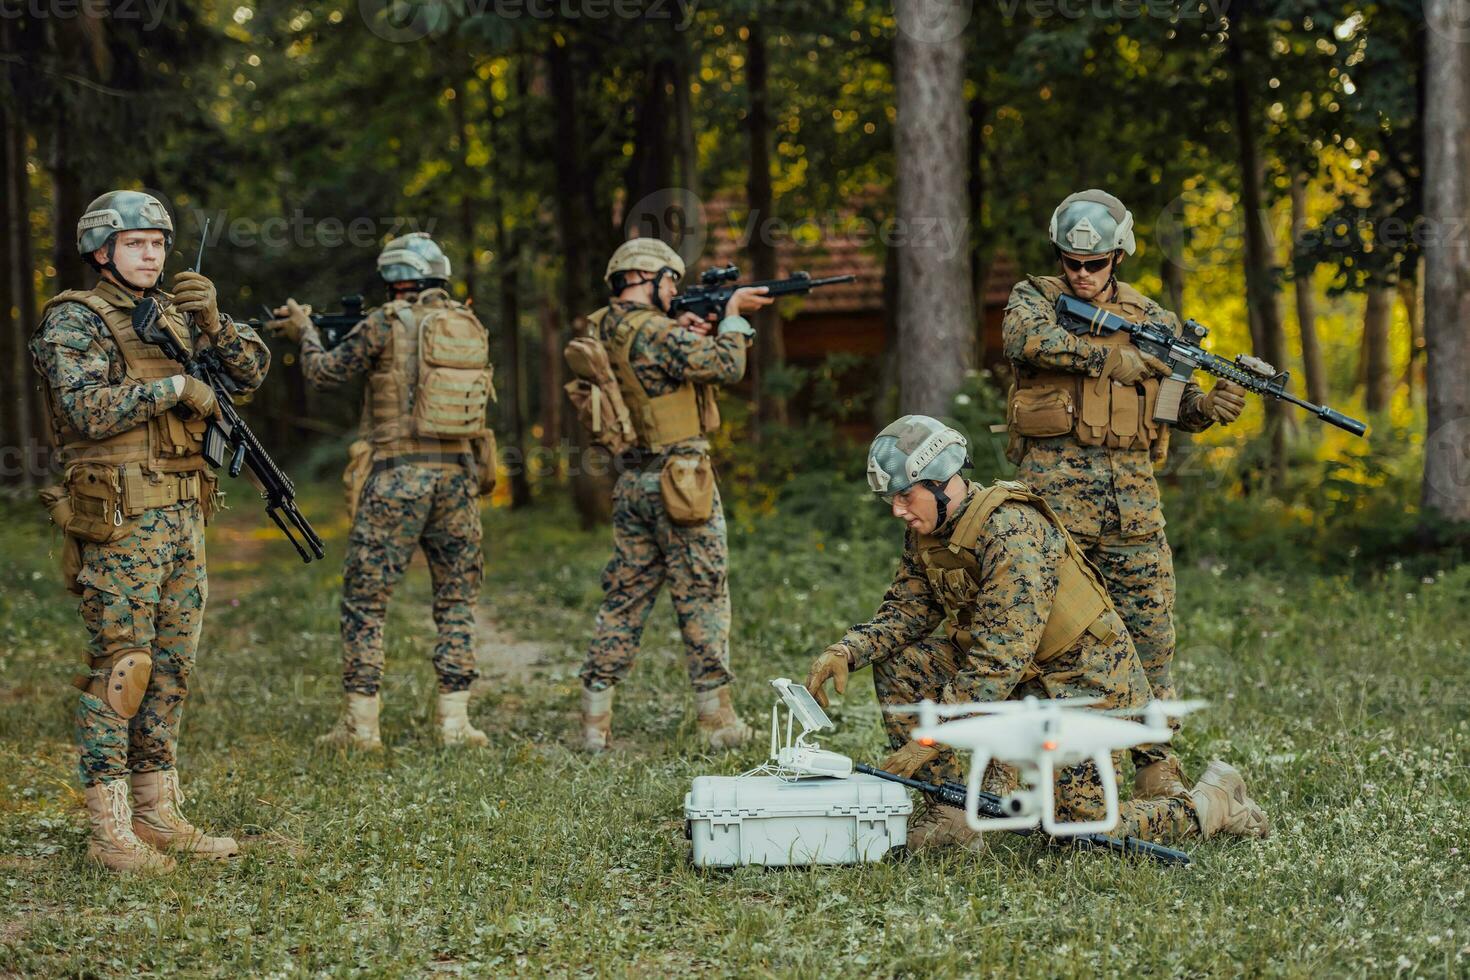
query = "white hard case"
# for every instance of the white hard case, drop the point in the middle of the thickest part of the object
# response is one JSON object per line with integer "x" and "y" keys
{"x": 766, "y": 820}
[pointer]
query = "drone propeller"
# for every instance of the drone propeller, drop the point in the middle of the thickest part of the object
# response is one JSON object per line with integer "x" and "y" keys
{"x": 1167, "y": 708}
{"x": 992, "y": 707}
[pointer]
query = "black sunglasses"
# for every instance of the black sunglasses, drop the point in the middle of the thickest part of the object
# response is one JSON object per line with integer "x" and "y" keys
{"x": 1091, "y": 265}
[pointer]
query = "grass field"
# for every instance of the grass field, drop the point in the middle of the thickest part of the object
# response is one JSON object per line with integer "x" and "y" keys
{"x": 1343, "y": 699}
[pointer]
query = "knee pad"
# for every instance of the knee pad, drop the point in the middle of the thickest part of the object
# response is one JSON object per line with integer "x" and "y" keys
{"x": 120, "y": 680}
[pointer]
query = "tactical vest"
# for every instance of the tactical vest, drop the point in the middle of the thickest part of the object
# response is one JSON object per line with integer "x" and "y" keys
{"x": 1098, "y": 412}
{"x": 428, "y": 393}
{"x": 660, "y": 421}
{"x": 1081, "y": 604}
{"x": 166, "y": 443}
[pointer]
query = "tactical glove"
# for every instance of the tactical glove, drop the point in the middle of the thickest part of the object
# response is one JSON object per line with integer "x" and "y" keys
{"x": 1224, "y": 402}
{"x": 1129, "y": 365}
{"x": 199, "y": 398}
{"x": 291, "y": 321}
{"x": 834, "y": 664}
{"x": 909, "y": 759}
{"x": 195, "y": 295}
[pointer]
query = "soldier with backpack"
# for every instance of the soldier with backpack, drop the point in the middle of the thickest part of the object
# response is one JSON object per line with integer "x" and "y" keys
{"x": 414, "y": 480}
{"x": 645, "y": 391}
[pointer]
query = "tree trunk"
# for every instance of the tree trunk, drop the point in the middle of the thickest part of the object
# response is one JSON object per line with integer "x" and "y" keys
{"x": 887, "y": 396}
{"x": 1411, "y": 293}
{"x": 978, "y": 111}
{"x": 936, "y": 318}
{"x": 1259, "y": 273}
{"x": 466, "y": 182}
{"x": 15, "y": 361}
{"x": 691, "y": 243}
{"x": 770, "y": 337}
{"x": 591, "y": 474}
{"x": 1377, "y": 362}
{"x": 30, "y": 423}
{"x": 648, "y": 179}
{"x": 66, "y": 210}
{"x": 551, "y": 364}
{"x": 1172, "y": 277}
{"x": 1446, "y": 494}
{"x": 1306, "y": 300}
{"x": 509, "y": 405}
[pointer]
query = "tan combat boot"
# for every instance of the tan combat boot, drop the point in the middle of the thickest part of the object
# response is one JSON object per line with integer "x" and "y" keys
{"x": 453, "y": 715}
{"x": 160, "y": 824}
{"x": 718, "y": 722}
{"x": 113, "y": 844}
{"x": 1159, "y": 780}
{"x": 1222, "y": 807}
{"x": 358, "y": 726}
{"x": 596, "y": 719}
{"x": 936, "y": 825}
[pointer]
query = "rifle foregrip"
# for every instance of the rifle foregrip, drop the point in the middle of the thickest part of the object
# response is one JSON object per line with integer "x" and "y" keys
{"x": 1171, "y": 392}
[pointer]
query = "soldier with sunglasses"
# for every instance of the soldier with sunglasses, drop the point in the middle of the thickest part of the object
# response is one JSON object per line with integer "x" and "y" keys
{"x": 1083, "y": 434}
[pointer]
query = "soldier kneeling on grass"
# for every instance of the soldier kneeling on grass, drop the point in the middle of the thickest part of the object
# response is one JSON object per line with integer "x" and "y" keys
{"x": 1025, "y": 614}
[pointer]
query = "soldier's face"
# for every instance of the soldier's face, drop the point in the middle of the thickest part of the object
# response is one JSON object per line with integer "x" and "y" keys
{"x": 1087, "y": 275}
{"x": 918, "y": 509}
{"x": 138, "y": 255}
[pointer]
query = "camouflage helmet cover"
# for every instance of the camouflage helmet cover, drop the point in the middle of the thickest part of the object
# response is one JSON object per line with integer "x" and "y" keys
{"x": 643, "y": 255}
{"x": 412, "y": 257}
{"x": 118, "y": 211}
{"x": 914, "y": 449}
{"x": 1092, "y": 222}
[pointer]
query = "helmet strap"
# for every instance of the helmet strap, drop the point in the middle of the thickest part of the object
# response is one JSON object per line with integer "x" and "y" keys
{"x": 658, "y": 278}
{"x": 941, "y": 500}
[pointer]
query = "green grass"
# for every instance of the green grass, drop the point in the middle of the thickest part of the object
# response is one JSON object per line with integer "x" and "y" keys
{"x": 1342, "y": 699}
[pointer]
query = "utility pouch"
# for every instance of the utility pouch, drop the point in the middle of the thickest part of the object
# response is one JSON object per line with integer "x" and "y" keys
{"x": 687, "y": 484}
{"x": 1041, "y": 413}
{"x": 58, "y": 504}
{"x": 355, "y": 476}
{"x": 96, "y": 498}
{"x": 484, "y": 451}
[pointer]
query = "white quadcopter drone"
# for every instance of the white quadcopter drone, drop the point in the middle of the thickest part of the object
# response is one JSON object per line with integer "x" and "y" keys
{"x": 1039, "y": 737}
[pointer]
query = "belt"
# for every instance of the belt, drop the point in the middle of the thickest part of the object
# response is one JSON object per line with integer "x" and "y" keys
{"x": 465, "y": 460}
{"x": 170, "y": 490}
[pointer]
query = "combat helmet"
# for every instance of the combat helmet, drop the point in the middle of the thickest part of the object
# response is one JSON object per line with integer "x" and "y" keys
{"x": 643, "y": 255}
{"x": 118, "y": 211}
{"x": 1092, "y": 222}
{"x": 414, "y": 258}
{"x": 920, "y": 450}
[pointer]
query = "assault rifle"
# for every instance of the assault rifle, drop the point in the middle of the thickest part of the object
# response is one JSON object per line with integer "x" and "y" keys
{"x": 953, "y": 794}
{"x": 1184, "y": 356}
{"x": 717, "y": 285}
{"x": 227, "y": 437}
{"x": 332, "y": 328}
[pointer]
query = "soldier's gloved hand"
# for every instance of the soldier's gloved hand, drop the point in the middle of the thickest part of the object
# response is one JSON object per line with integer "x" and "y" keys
{"x": 909, "y": 759}
{"x": 1129, "y": 365}
{"x": 1224, "y": 402}
{"x": 291, "y": 321}
{"x": 198, "y": 397}
{"x": 195, "y": 295}
{"x": 834, "y": 664}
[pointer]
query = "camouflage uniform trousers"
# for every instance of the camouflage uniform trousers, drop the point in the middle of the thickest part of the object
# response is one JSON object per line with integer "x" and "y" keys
{"x": 1088, "y": 669}
{"x": 1137, "y": 569}
{"x": 400, "y": 509}
{"x": 649, "y": 549}
{"x": 145, "y": 591}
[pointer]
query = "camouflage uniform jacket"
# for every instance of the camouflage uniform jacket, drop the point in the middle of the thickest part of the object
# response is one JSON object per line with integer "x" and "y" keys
{"x": 1082, "y": 483}
{"x": 665, "y": 359}
{"x": 1018, "y": 553}
{"x": 75, "y": 352}
{"x": 356, "y": 355}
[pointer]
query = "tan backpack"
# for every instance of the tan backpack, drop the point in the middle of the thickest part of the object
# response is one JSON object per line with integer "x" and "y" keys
{"x": 596, "y": 397}
{"x": 455, "y": 377}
